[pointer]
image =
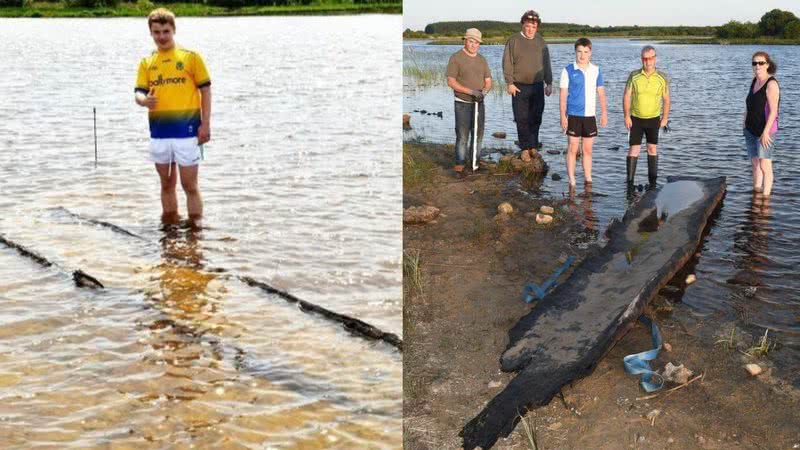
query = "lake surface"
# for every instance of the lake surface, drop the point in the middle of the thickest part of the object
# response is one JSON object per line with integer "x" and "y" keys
{"x": 747, "y": 268}
{"x": 302, "y": 190}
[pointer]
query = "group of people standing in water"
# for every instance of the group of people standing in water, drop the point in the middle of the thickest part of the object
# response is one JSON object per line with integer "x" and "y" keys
{"x": 646, "y": 103}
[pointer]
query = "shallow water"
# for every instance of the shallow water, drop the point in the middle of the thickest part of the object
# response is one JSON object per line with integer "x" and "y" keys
{"x": 301, "y": 184}
{"x": 746, "y": 273}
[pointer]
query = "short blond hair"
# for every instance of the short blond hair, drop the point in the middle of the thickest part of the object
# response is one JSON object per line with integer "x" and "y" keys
{"x": 162, "y": 16}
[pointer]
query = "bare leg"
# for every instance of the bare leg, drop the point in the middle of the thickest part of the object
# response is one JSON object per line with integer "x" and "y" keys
{"x": 572, "y": 155}
{"x": 651, "y": 149}
{"x": 169, "y": 200}
{"x": 634, "y": 150}
{"x": 758, "y": 175}
{"x": 194, "y": 203}
{"x": 586, "y": 148}
{"x": 766, "y": 168}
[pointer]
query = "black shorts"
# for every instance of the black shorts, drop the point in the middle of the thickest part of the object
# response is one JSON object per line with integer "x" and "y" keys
{"x": 648, "y": 127}
{"x": 579, "y": 126}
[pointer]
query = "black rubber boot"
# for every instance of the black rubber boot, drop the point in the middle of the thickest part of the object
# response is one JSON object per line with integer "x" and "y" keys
{"x": 630, "y": 167}
{"x": 652, "y": 169}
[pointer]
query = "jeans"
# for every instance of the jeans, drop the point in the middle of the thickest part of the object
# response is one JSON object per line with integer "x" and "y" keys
{"x": 465, "y": 118}
{"x": 528, "y": 106}
{"x": 754, "y": 147}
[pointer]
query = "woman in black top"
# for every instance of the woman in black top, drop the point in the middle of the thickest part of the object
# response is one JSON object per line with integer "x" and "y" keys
{"x": 761, "y": 120}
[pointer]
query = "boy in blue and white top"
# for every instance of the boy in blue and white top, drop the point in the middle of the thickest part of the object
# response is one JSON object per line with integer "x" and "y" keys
{"x": 581, "y": 84}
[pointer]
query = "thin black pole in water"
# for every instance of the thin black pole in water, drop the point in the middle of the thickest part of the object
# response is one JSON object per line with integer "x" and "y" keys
{"x": 94, "y": 111}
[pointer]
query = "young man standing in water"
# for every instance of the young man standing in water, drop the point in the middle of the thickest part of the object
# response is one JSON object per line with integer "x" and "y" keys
{"x": 174, "y": 85}
{"x": 645, "y": 91}
{"x": 581, "y": 85}
{"x": 526, "y": 69}
{"x": 469, "y": 76}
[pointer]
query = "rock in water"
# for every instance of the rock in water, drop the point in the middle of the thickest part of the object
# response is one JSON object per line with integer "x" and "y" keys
{"x": 499, "y": 135}
{"x": 420, "y": 214}
{"x": 556, "y": 177}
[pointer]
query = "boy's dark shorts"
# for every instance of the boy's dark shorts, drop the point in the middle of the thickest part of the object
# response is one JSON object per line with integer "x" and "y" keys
{"x": 648, "y": 127}
{"x": 579, "y": 126}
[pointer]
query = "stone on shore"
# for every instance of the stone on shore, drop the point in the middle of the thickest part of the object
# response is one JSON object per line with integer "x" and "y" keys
{"x": 690, "y": 279}
{"x": 420, "y": 214}
{"x": 677, "y": 374}
{"x": 543, "y": 219}
{"x": 753, "y": 369}
{"x": 505, "y": 208}
{"x": 546, "y": 210}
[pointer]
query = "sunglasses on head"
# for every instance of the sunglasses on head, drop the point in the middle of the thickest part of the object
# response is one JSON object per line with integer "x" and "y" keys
{"x": 759, "y": 63}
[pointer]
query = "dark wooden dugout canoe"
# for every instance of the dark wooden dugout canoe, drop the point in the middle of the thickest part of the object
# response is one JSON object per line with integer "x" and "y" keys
{"x": 567, "y": 332}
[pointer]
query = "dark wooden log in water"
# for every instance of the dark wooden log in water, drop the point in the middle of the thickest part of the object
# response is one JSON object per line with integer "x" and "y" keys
{"x": 355, "y": 326}
{"x": 351, "y": 324}
{"x": 101, "y": 223}
{"x": 25, "y": 252}
{"x": 81, "y": 278}
{"x": 567, "y": 333}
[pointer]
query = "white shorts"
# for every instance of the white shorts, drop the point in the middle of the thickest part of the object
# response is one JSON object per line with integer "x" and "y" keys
{"x": 184, "y": 151}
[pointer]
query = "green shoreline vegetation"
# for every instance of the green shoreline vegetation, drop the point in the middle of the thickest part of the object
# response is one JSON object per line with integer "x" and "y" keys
{"x": 116, "y": 8}
{"x": 776, "y": 27}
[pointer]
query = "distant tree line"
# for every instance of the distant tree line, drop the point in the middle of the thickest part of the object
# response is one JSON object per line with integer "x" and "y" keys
{"x": 223, "y": 3}
{"x": 491, "y": 28}
{"x": 776, "y": 23}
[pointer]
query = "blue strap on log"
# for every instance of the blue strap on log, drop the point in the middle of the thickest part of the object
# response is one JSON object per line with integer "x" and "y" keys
{"x": 637, "y": 364}
{"x": 533, "y": 292}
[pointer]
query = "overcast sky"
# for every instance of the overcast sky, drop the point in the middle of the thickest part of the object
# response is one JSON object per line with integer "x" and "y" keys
{"x": 418, "y": 13}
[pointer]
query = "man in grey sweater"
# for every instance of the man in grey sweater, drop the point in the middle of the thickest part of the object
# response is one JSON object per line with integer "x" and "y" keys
{"x": 526, "y": 69}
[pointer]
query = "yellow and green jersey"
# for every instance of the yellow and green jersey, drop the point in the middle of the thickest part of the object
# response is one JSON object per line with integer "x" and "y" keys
{"x": 176, "y": 77}
{"x": 646, "y": 93}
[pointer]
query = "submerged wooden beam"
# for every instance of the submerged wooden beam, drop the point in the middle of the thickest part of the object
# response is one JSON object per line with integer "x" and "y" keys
{"x": 101, "y": 223}
{"x": 566, "y": 333}
{"x": 351, "y": 324}
{"x": 81, "y": 278}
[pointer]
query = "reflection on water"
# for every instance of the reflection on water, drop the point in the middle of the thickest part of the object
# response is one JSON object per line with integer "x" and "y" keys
{"x": 753, "y": 243}
{"x": 676, "y": 196}
{"x": 581, "y": 207}
{"x": 705, "y": 141}
{"x": 173, "y": 353}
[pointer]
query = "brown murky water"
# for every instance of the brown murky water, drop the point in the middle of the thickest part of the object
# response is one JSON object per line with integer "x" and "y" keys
{"x": 300, "y": 184}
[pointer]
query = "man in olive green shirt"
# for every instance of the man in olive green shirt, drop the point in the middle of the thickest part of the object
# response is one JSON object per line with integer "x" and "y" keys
{"x": 647, "y": 88}
{"x": 469, "y": 76}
